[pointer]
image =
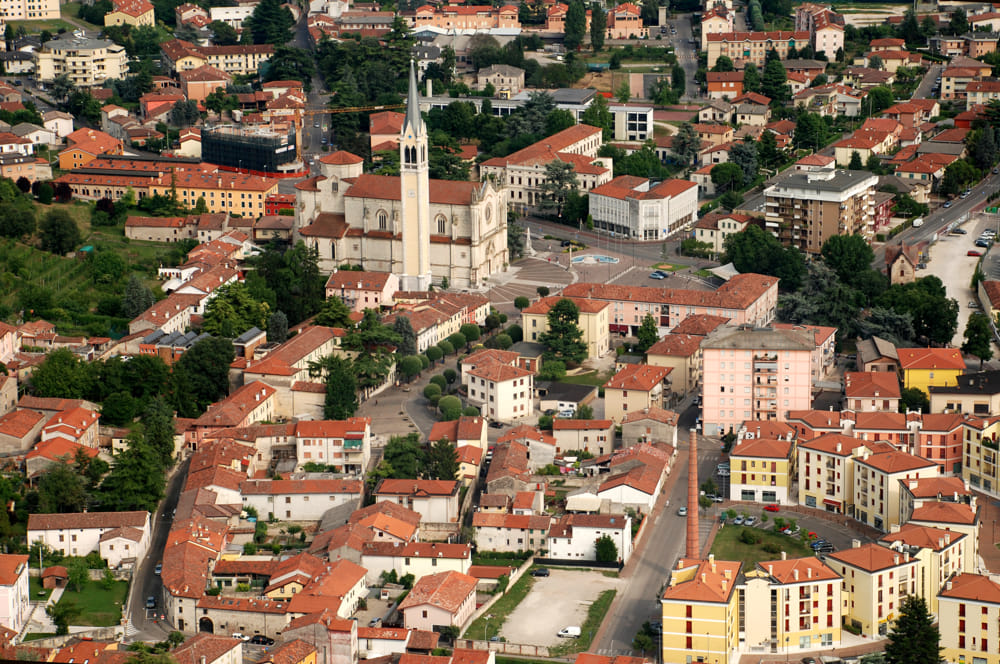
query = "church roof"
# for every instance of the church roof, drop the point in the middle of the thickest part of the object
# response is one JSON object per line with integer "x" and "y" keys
{"x": 387, "y": 187}
{"x": 413, "y": 118}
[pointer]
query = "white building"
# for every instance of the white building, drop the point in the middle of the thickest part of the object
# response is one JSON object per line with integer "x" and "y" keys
{"x": 345, "y": 444}
{"x": 416, "y": 558}
{"x": 14, "y": 593}
{"x": 435, "y": 500}
{"x": 79, "y": 534}
{"x": 503, "y": 392}
{"x": 632, "y": 207}
{"x": 232, "y": 16}
{"x": 574, "y": 536}
{"x": 511, "y": 532}
{"x": 87, "y": 62}
{"x": 448, "y": 598}
{"x": 123, "y": 546}
{"x": 633, "y": 123}
{"x": 29, "y": 10}
{"x": 299, "y": 499}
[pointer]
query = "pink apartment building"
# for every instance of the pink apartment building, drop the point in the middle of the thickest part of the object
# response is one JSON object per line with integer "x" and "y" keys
{"x": 746, "y": 299}
{"x": 754, "y": 374}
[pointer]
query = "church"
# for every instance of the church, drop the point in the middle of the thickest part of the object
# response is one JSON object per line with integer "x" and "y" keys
{"x": 424, "y": 231}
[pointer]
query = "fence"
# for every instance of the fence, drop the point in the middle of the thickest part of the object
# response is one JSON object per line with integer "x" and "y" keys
{"x": 504, "y": 648}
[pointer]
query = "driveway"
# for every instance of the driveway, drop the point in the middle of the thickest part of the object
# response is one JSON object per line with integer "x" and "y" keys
{"x": 950, "y": 263}
{"x": 559, "y": 600}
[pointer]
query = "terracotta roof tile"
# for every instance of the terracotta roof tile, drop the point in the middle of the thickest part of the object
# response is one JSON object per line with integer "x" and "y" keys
{"x": 447, "y": 591}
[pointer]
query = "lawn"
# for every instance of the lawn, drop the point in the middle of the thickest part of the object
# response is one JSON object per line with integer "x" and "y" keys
{"x": 594, "y": 378}
{"x": 595, "y": 616}
{"x": 503, "y": 608}
{"x": 670, "y": 267}
{"x": 35, "y": 591}
{"x": 73, "y": 9}
{"x": 98, "y": 607}
{"x": 727, "y": 545}
{"x": 53, "y": 25}
{"x": 497, "y": 560}
{"x": 34, "y": 636}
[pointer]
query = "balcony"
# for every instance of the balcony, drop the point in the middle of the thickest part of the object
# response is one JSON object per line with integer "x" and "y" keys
{"x": 830, "y": 463}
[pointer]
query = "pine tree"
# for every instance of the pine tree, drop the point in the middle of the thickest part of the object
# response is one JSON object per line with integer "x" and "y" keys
{"x": 598, "y": 21}
{"x": 575, "y": 25}
{"x": 341, "y": 388}
{"x": 648, "y": 333}
{"x": 751, "y": 78}
{"x": 564, "y": 339}
{"x": 914, "y": 638}
{"x": 686, "y": 143}
{"x": 158, "y": 430}
{"x": 442, "y": 460}
{"x": 408, "y": 338}
{"x": 277, "y": 327}
{"x": 136, "y": 299}
{"x": 856, "y": 164}
{"x": 136, "y": 480}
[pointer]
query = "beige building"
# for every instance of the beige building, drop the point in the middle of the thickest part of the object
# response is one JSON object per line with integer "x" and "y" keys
{"x": 715, "y": 227}
{"x": 682, "y": 353}
{"x": 826, "y": 472}
{"x": 872, "y": 391}
{"x": 969, "y": 620}
{"x": 29, "y": 10}
{"x": 941, "y": 554}
{"x": 594, "y": 436}
{"x": 437, "y": 600}
{"x": 130, "y": 12}
{"x": 593, "y": 322}
{"x": 88, "y": 62}
{"x": 420, "y": 229}
{"x": 876, "y": 485}
{"x": 975, "y": 394}
{"x": 805, "y": 209}
{"x": 875, "y": 581}
{"x": 652, "y": 425}
{"x": 635, "y": 388}
{"x": 744, "y": 47}
{"x": 505, "y": 79}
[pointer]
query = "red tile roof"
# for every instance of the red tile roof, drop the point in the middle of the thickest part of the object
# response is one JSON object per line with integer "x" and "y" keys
{"x": 709, "y": 581}
{"x": 464, "y": 428}
{"x": 798, "y": 570}
{"x": 653, "y": 413}
{"x": 895, "y": 462}
{"x": 422, "y": 488}
{"x": 676, "y": 345}
{"x": 560, "y": 424}
{"x": 945, "y": 512}
{"x": 11, "y": 567}
{"x": 447, "y": 591}
{"x": 738, "y": 293}
{"x": 699, "y": 324}
{"x": 973, "y": 588}
{"x": 923, "y": 536}
{"x": 640, "y": 377}
{"x": 931, "y": 358}
{"x": 871, "y": 557}
{"x": 387, "y": 187}
{"x": 869, "y": 384}
{"x": 86, "y": 520}
{"x": 418, "y": 550}
{"x": 19, "y": 423}
{"x": 762, "y": 448}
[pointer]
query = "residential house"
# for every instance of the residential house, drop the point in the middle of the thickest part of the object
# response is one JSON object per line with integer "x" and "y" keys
{"x": 635, "y": 388}
{"x": 435, "y": 500}
{"x": 574, "y": 536}
{"x": 649, "y": 426}
{"x": 923, "y": 367}
{"x": 876, "y": 485}
{"x": 871, "y": 391}
{"x": 80, "y": 534}
{"x": 594, "y": 436}
{"x": 968, "y": 617}
{"x": 876, "y": 581}
{"x": 593, "y": 322}
{"x": 417, "y": 558}
{"x": 15, "y": 597}
{"x": 682, "y": 353}
{"x": 444, "y": 599}
{"x": 510, "y": 532}
{"x": 762, "y": 470}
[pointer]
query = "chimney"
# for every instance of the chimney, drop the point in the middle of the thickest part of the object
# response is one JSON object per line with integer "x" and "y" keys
{"x": 729, "y": 573}
{"x": 809, "y": 572}
{"x": 724, "y": 584}
{"x": 692, "y": 548}
{"x": 795, "y": 573}
{"x": 947, "y": 586}
{"x": 855, "y": 544}
{"x": 703, "y": 577}
{"x": 895, "y": 560}
{"x": 838, "y": 447}
{"x": 784, "y": 556}
{"x": 770, "y": 570}
{"x": 940, "y": 542}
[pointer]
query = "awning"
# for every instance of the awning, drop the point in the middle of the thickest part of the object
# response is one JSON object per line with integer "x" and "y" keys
{"x": 831, "y": 503}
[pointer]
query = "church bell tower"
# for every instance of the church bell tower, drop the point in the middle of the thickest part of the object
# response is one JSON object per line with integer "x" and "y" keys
{"x": 414, "y": 194}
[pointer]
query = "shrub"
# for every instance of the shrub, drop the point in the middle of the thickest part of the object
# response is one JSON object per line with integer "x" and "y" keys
{"x": 446, "y": 347}
{"x": 432, "y": 389}
{"x": 440, "y": 381}
{"x": 749, "y": 537}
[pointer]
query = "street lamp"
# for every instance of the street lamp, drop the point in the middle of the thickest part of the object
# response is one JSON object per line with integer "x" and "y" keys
{"x": 486, "y": 622}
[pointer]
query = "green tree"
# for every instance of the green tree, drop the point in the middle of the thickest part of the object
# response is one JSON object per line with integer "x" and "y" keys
{"x": 552, "y": 370}
{"x": 201, "y": 375}
{"x": 879, "y": 99}
{"x": 470, "y": 331}
{"x": 598, "y": 21}
{"x": 442, "y": 460}
{"x": 606, "y": 550}
{"x": 564, "y": 339}
{"x": 774, "y": 82}
{"x": 809, "y": 133}
{"x": 59, "y": 232}
{"x": 16, "y": 222}
{"x": 767, "y": 150}
{"x": 754, "y": 250}
{"x": 136, "y": 299}
{"x": 959, "y": 24}
{"x": 848, "y": 255}
{"x": 341, "y": 387}
{"x": 751, "y": 78}
{"x": 575, "y": 25}
{"x": 291, "y": 63}
{"x": 63, "y": 375}
{"x": 583, "y": 412}
{"x": 521, "y": 302}
{"x": 909, "y": 29}
{"x": 913, "y": 398}
{"x": 982, "y": 145}
{"x": 233, "y": 311}
{"x": 648, "y": 333}
{"x": 409, "y": 366}
{"x": 978, "y": 338}
{"x": 61, "y": 489}
{"x": 334, "y": 313}
{"x": 406, "y": 456}
{"x": 686, "y": 144}
{"x": 62, "y": 613}
{"x": 223, "y": 34}
{"x": 277, "y": 327}
{"x": 559, "y": 180}
{"x": 744, "y": 155}
{"x": 914, "y": 637}
{"x": 407, "y": 337}
{"x": 77, "y": 573}
{"x": 270, "y": 23}
{"x": 136, "y": 480}
{"x": 723, "y": 64}
{"x": 935, "y": 315}
{"x": 158, "y": 430}
{"x": 727, "y": 176}
{"x": 856, "y": 164}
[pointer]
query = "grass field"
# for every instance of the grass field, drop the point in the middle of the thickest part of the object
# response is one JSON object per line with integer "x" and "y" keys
{"x": 594, "y": 378}
{"x": 98, "y": 607}
{"x": 53, "y": 25}
{"x": 73, "y": 9}
{"x": 503, "y": 608}
{"x": 35, "y": 590}
{"x": 727, "y": 546}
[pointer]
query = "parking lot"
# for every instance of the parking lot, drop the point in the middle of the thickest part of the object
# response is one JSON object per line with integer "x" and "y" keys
{"x": 556, "y": 601}
{"x": 950, "y": 262}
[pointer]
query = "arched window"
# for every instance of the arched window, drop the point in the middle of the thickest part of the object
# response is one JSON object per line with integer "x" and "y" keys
{"x": 442, "y": 225}
{"x": 383, "y": 220}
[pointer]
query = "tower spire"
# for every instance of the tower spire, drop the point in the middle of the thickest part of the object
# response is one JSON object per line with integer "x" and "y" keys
{"x": 413, "y": 118}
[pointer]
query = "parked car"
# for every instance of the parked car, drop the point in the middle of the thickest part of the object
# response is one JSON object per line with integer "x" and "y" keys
{"x": 540, "y": 571}
{"x": 815, "y": 544}
{"x": 568, "y": 632}
{"x": 656, "y": 275}
{"x": 825, "y": 548}
{"x": 496, "y": 425}
{"x": 973, "y": 252}
{"x": 375, "y": 622}
{"x": 982, "y": 243}
{"x": 771, "y": 508}
{"x": 150, "y": 602}
{"x": 738, "y": 521}
{"x": 682, "y": 511}
{"x": 959, "y": 231}
{"x": 261, "y": 640}
{"x": 722, "y": 472}
{"x": 158, "y": 569}
{"x": 241, "y": 636}
{"x": 749, "y": 521}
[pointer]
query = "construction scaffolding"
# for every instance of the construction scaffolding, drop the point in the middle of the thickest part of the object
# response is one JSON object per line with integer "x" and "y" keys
{"x": 248, "y": 148}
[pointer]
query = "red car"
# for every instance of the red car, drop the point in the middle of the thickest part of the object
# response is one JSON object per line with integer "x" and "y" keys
{"x": 973, "y": 252}
{"x": 771, "y": 508}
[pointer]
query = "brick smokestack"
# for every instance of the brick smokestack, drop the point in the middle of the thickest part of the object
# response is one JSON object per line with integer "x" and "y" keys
{"x": 693, "y": 550}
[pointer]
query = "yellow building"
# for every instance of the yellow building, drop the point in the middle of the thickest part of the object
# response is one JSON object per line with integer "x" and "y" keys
{"x": 762, "y": 470}
{"x": 682, "y": 352}
{"x": 593, "y": 322}
{"x": 923, "y": 367}
{"x": 981, "y": 453}
{"x": 803, "y": 593}
{"x": 875, "y": 581}
{"x": 634, "y": 388}
{"x": 941, "y": 554}
{"x": 130, "y": 12}
{"x": 877, "y": 484}
{"x": 700, "y": 610}
{"x": 826, "y": 472}
{"x": 969, "y": 620}
{"x": 87, "y": 62}
{"x": 960, "y": 518}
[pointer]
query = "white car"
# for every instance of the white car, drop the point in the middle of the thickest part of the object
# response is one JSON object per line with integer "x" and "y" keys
{"x": 750, "y": 520}
{"x": 569, "y": 632}
{"x": 682, "y": 511}
{"x": 240, "y": 636}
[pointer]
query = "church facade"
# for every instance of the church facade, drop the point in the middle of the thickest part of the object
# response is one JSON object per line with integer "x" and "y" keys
{"x": 423, "y": 230}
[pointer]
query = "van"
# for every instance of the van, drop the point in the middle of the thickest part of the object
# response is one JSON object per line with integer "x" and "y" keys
{"x": 918, "y": 222}
{"x": 569, "y": 633}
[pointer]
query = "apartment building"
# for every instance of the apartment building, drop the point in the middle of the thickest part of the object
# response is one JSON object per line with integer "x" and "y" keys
{"x": 180, "y": 55}
{"x": 715, "y": 20}
{"x": 29, "y": 10}
{"x": 467, "y": 18}
{"x": 633, "y": 207}
{"x": 875, "y": 580}
{"x": 877, "y": 485}
{"x": 130, "y": 12}
{"x": 941, "y": 555}
{"x": 754, "y": 374}
{"x": 593, "y": 322}
{"x": 15, "y": 596}
{"x": 345, "y": 444}
{"x": 637, "y": 387}
{"x": 825, "y": 28}
{"x": 87, "y": 62}
{"x": 762, "y": 470}
{"x": 682, "y": 353}
{"x": 625, "y": 22}
{"x": 700, "y": 611}
{"x": 523, "y": 172}
{"x": 805, "y": 209}
{"x": 826, "y": 471}
{"x": 969, "y": 619}
{"x": 746, "y": 299}
{"x": 744, "y": 47}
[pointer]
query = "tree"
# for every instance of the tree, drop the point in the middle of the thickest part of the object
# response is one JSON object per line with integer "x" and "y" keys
{"x": 59, "y": 232}
{"x": 598, "y": 115}
{"x": 136, "y": 480}
{"x": 856, "y": 163}
{"x": 409, "y": 366}
{"x": 62, "y": 613}
{"x": 623, "y": 92}
{"x": 914, "y": 637}
{"x": 406, "y": 456}
{"x": 16, "y": 222}
{"x": 559, "y": 180}
{"x": 270, "y": 23}
{"x": 978, "y": 338}
{"x": 185, "y": 113}
{"x": 754, "y": 250}
{"x": 935, "y": 315}
{"x": 341, "y": 399}
{"x": 982, "y": 145}
{"x": 575, "y": 25}
{"x": 564, "y": 339}
{"x": 470, "y": 331}
{"x": 909, "y": 29}
{"x": 606, "y": 549}
{"x": 136, "y": 299}
{"x": 727, "y": 176}
{"x": 442, "y": 460}
{"x": 63, "y": 375}
{"x": 598, "y": 22}
{"x": 751, "y": 78}
{"x": 959, "y": 23}
{"x": 61, "y": 489}
{"x": 773, "y": 83}
{"x": 233, "y": 311}
{"x": 158, "y": 430}
{"x": 583, "y": 412}
{"x": 744, "y": 155}
{"x": 808, "y": 132}
{"x": 521, "y": 302}
{"x": 723, "y": 63}
{"x": 223, "y": 34}
{"x": 334, "y": 313}
{"x": 648, "y": 333}
{"x": 879, "y": 99}
{"x": 848, "y": 255}
{"x": 407, "y": 337}
{"x": 201, "y": 375}
{"x": 913, "y": 398}
{"x": 686, "y": 144}
{"x": 768, "y": 153}
{"x": 77, "y": 573}
{"x": 277, "y": 327}
{"x": 875, "y": 62}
